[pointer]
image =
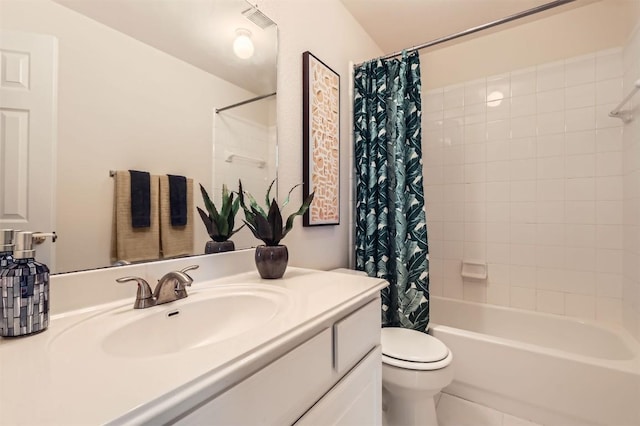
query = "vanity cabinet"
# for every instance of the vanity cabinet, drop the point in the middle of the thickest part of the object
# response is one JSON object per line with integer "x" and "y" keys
{"x": 333, "y": 378}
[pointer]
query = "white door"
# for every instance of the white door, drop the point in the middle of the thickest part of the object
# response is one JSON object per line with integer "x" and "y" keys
{"x": 28, "y": 133}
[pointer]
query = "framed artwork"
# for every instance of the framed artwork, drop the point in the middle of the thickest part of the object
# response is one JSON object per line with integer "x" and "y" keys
{"x": 321, "y": 141}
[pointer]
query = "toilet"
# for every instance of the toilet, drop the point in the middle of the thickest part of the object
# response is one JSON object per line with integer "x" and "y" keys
{"x": 415, "y": 367}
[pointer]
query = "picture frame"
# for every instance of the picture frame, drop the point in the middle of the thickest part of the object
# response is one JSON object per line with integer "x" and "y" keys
{"x": 321, "y": 141}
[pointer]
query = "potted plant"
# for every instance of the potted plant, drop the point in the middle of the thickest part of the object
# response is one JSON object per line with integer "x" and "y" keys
{"x": 272, "y": 257}
{"x": 219, "y": 224}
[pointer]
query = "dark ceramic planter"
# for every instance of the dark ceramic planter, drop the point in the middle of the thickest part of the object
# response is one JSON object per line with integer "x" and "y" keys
{"x": 218, "y": 247}
{"x": 271, "y": 261}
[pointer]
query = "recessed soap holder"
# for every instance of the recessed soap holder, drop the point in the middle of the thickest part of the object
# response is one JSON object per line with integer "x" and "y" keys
{"x": 476, "y": 269}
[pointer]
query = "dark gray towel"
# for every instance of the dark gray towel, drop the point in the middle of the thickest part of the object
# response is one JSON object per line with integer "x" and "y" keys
{"x": 140, "y": 199}
{"x": 178, "y": 200}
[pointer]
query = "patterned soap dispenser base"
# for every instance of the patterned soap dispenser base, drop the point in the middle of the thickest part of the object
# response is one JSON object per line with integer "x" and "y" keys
{"x": 24, "y": 290}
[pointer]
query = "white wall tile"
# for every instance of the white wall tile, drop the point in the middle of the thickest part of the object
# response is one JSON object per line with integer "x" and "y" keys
{"x": 550, "y": 234}
{"x": 498, "y": 253}
{"x": 609, "y": 188}
{"x": 499, "y": 212}
{"x": 550, "y": 212}
{"x": 522, "y": 148}
{"x": 550, "y": 76}
{"x": 523, "y": 276}
{"x": 580, "y": 165}
{"x": 433, "y": 100}
{"x": 580, "y": 235}
{"x": 552, "y": 145}
{"x": 523, "y": 169}
{"x": 580, "y": 119}
{"x": 474, "y": 291}
{"x": 608, "y": 65}
{"x": 609, "y": 139}
{"x": 580, "y": 70}
{"x": 524, "y": 190}
{"x": 477, "y": 132}
{"x": 583, "y": 142}
{"x": 603, "y": 120}
{"x": 580, "y": 96}
{"x": 522, "y": 127}
{"x": 609, "y": 163}
{"x": 609, "y": 212}
{"x": 527, "y": 171}
{"x": 580, "y": 306}
{"x": 523, "y": 105}
{"x": 498, "y": 294}
{"x": 551, "y": 100}
{"x": 609, "y": 91}
{"x": 498, "y": 150}
{"x": 453, "y": 96}
{"x": 609, "y": 310}
{"x": 498, "y": 171}
{"x": 550, "y": 301}
{"x": 475, "y": 92}
{"x": 549, "y": 189}
{"x": 523, "y": 298}
{"x": 551, "y": 168}
{"x": 523, "y": 82}
{"x": 498, "y": 130}
{"x": 475, "y": 153}
{"x": 549, "y": 123}
{"x": 580, "y": 212}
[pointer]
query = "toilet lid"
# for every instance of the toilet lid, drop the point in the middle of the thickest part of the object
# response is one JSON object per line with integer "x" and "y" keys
{"x": 411, "y": 345}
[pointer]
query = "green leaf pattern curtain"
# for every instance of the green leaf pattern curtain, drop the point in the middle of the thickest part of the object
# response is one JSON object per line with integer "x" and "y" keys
{"x": 391, "y": 231}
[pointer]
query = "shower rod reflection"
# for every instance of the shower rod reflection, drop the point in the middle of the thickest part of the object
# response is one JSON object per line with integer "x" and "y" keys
{"x": 482, "y": 27}
{"x": 248, "y": 101}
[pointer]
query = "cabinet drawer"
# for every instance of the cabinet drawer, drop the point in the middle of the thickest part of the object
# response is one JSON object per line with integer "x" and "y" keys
{"x": 276, "y": 395}
{"x": 355, "y": 400}
{"x": 355, "y": 335}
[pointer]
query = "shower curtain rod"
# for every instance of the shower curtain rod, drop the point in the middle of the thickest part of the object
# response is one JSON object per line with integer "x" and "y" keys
{"x": 488, "y": 25}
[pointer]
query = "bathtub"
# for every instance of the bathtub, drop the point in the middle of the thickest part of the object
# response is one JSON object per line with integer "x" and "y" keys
{"x": 550, "y": 369}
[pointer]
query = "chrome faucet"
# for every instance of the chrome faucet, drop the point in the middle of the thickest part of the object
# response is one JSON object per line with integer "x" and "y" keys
{"x": 169, "y": 288}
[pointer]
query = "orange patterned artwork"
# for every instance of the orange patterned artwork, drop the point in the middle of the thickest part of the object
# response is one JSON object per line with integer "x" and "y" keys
{"x": 321, "y": 141}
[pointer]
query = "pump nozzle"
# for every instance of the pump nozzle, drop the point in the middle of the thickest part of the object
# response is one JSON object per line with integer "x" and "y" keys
{"x": 24, "y": 243}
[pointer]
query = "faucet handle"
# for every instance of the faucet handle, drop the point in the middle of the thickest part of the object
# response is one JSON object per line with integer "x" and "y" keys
{"x": 144, "y": 296}
{"x": 189, "y": 268}
{"x": 181, "y": 291}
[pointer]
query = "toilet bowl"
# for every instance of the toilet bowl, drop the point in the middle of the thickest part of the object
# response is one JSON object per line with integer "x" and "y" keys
{"x": 415, "y": 367}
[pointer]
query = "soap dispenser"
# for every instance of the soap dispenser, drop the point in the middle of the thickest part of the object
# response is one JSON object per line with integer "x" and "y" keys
{"x": 6, "y": 247}
{"x": 24, "y": 289}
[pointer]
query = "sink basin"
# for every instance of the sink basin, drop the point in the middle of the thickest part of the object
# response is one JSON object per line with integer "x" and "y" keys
{"x": 206, "y": 317}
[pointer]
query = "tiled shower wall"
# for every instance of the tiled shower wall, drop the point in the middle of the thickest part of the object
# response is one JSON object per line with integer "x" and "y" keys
{"x": 631, "y": 201}
{"x": 524, "y": 171}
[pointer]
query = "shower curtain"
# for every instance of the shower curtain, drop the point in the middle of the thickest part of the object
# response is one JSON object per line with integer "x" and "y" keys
{"x": 391, "y": 231}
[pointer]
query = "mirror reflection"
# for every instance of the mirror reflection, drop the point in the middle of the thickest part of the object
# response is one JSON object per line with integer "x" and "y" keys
{"x": 134, "y": 85}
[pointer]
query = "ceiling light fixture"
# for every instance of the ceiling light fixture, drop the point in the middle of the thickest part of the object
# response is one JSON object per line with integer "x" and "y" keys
{"x": 242, "y": 45}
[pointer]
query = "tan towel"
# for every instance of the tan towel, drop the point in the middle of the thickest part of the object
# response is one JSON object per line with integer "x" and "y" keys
{"x": 175, "y": 240}
{"x": 129, "y": 243}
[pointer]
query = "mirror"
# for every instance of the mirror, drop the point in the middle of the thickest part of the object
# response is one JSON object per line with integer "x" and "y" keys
{"x": 138, "y": 87}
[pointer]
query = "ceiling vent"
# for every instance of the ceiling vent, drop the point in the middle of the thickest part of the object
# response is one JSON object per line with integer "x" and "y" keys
{"x": 258, "y": 18}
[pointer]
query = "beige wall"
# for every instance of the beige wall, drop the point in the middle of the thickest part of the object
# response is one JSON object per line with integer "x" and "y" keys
{"x": 586, "y": 29}
{"x": 327, "y": 30}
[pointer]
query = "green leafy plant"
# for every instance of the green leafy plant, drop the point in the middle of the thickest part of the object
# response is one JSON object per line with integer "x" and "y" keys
{"x": 268, "y": 225}
{"x": 220, "y": 224}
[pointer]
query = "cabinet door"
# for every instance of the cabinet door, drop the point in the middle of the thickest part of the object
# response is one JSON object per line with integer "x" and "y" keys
{"x": 355, "y": 401}
{"x": 276, "y": 395}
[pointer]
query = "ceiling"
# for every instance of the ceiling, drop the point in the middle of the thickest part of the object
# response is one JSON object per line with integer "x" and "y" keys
{"x": 200, "y": 32}
{"x": 398, "y": 24}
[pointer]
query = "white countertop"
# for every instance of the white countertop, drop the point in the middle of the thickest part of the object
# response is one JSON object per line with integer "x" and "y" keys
{"x": 78, "y": 383}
